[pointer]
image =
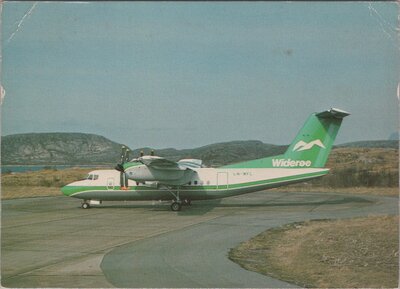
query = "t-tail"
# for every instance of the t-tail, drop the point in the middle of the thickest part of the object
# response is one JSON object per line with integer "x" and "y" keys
{"x": 311, "y": 146}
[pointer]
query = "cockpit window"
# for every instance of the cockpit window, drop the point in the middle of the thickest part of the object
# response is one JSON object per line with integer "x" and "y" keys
{"x": 92, "y": 177}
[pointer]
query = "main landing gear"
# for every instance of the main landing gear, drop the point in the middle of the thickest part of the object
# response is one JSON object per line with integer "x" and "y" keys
{"x": 177, "y": 204}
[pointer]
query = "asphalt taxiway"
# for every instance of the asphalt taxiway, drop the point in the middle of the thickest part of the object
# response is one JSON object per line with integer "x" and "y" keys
{"x": 52, "y": 242}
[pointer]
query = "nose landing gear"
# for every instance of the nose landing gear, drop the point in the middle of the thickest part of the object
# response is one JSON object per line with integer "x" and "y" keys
{"x": 85, "y": 205}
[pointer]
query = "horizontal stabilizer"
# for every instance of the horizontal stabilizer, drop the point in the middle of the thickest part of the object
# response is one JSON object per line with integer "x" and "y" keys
{"x": 333, "y": 112}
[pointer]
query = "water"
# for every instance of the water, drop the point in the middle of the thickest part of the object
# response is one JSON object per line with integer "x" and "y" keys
{"x": 32, "y": 168}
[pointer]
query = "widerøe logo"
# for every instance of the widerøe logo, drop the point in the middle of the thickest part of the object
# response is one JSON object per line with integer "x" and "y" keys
{"x": 288, "y": 163}
{"x": 303, "y": 146}
{"x": 298, "y": 147}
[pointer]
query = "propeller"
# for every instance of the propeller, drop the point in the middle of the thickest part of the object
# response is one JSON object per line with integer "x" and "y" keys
{"x": 120, "y": 167}
{"x": 127, "y": 155}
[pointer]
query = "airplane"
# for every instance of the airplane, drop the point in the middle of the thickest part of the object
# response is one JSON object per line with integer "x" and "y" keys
{"x": 155, "y": 178}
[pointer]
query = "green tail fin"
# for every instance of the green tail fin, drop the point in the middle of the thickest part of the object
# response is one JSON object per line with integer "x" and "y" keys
{"x": 314, "y": 141}
{"x": 310, "y": 148}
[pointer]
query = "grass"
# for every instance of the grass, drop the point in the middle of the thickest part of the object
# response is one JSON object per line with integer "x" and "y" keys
{"x": 361, "y": 167}
{"x": 15, "y": 192}
{"x": 39, "y": 183}
{"x": 360, "y": 252}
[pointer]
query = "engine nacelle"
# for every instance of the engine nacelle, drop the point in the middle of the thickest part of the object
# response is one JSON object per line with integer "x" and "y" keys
{"x": 143, "y": 173}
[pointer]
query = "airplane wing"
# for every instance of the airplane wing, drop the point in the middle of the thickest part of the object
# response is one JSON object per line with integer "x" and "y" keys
{"x": 164, "y": 164}
{"x": 160, "y": 163}
{"x": 157, "y": 170}
{"x": 191, "y": 163}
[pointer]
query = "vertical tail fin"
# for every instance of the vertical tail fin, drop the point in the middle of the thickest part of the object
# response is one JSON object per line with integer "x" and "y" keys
{"x": 311, "y": 146}
{"x": 314, "y": 141}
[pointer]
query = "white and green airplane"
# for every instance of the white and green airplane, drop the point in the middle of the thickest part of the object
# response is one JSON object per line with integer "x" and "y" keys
{"x": 156, "y": 178}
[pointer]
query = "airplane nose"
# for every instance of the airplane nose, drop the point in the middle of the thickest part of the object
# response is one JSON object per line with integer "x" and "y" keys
{"x": 64, "y": 190}
{"x": 67, "y": 190}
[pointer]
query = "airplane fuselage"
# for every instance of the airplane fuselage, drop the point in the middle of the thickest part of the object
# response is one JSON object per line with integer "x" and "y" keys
{"x": 156, "y": 178}
{"x": 206, "y": 183}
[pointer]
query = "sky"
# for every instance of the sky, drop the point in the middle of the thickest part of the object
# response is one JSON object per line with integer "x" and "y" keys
{"x": 188, "y": 74}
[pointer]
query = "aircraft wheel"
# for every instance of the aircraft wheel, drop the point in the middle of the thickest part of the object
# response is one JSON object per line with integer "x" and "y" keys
{"x": 85, "y": 205}
{"x": 176, "y": 206}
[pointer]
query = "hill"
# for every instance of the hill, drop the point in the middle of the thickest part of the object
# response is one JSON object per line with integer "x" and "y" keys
{"x": 79, "y": 148}
{"x": 58, "y": 148}
{"x": 394, "y": 144}
{"x": 221, "y": 153}
{"x": 88, "y": 149}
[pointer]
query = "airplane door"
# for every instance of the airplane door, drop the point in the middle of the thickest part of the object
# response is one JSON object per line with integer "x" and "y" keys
{"x": 110, "y": 184}
{"x": 222, "y": 181}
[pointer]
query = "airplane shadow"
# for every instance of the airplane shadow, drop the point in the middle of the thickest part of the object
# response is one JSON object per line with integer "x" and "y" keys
{"x": 338, "y": 201}
{"x": 203, "y": 207}
{"x": 198, "y": 208}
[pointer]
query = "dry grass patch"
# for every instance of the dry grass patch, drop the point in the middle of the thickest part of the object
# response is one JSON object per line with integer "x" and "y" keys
{"x": 14, "y": 192}
{"x": 361, "y": 252}
{"x": 45, "y": 178}
{"x": 39, "y": 183}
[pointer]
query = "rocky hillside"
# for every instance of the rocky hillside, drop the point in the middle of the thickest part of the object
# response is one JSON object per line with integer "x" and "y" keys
{"x": 80, "y": 148}
{"x": 58, "y": 148}
{"x": 394, "y": 144}
{"x": 219, "y": 154}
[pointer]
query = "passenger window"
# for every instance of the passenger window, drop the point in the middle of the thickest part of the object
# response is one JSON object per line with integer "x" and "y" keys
{"x": 189, "y": 183}
{"x": 195, "y": 182}
{"x": 90, "y": 177}
{"x": 95, "y": 177}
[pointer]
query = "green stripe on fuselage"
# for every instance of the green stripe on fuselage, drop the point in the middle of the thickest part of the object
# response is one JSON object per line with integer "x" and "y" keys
{"x": 72, "y": 190}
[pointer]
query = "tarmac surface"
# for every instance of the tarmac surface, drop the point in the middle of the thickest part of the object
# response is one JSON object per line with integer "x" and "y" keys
{"x": 51, "y": 242}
